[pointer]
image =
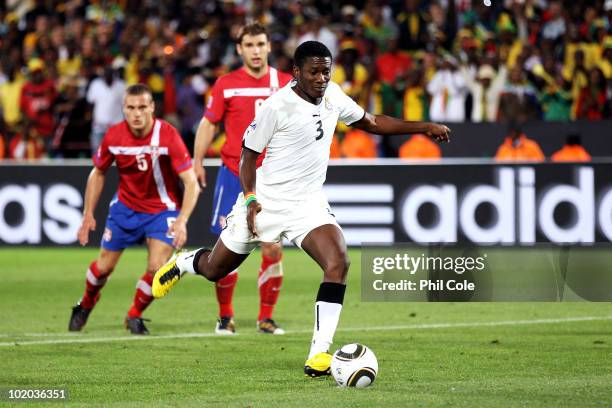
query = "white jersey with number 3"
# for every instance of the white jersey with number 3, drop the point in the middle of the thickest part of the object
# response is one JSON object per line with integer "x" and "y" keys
{"x": 297, "y": 135}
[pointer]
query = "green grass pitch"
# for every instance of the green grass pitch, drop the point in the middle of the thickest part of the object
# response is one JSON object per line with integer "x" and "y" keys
{"x": 430, "y": 354}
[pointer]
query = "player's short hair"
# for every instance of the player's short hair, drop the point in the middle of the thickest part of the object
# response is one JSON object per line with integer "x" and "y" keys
{"x": 310, "y": 49}
{"x": 252, "y": 29}
{"x": 138, "y": 89}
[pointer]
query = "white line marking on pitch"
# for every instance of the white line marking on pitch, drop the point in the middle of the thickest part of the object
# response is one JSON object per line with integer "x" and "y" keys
{"x": 83, "y": 340}
{"x": 70, "y": 334}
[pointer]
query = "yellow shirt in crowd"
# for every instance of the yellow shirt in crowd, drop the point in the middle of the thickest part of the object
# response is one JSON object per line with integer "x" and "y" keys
{"x": 10, "y": 93}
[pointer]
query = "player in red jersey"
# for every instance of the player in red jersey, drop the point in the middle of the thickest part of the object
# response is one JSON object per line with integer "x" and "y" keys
{"x": 234, "y": 100}
{"x": 151, "y": 158}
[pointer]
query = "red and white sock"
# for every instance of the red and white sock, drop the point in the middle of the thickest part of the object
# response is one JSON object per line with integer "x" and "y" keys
{"x": 93, "y": 284}
{"x": 269, "y": 282}
{"x": 225, "y": 293}
{"x": 143, "y": 296}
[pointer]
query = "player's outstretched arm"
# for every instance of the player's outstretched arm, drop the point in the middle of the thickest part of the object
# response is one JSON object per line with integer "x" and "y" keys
{"x": 248, "y": 178}
{"x": 190, "y": 197}
{"x": 95, "y": 184}
{"x": 387, "y": 125}
{"x": 203, "y": 139}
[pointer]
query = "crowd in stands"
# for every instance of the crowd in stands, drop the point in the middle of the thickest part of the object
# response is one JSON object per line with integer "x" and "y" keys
{"x": 64, "y": 64}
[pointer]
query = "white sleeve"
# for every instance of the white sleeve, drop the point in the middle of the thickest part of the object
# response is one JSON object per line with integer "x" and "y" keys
{"x": 350, "y": 111}
{"x": 258, "y": 134}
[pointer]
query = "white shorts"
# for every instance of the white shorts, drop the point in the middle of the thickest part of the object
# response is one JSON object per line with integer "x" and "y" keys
{"x": 287, "y": 219}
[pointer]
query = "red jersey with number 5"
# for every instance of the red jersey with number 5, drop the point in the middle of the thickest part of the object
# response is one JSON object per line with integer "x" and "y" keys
{"x": 149, "y": 166}
{"x": 234, "y": 100}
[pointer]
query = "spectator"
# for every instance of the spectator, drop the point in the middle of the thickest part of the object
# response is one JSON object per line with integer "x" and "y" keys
{"x": 442, "y": 27}
{"x": 556, "y": 100}
{"x": 392, "y": 63}
{"x": 486, "y": 89}
{"x": 70, "y": 64}
{"x": 317, "y": 31}
{"x": 589, "y": 53}
{"x": 349, "y": 27}
{"x": 606, "y": 58}
{"x": 33, "y": 38}
{"x": 412, "y": 27}
{"x": 420, "y": 147}
{"x": 106, "y": 95}
{"x": 509, "y": 46}
{"x": 416, "y": 103}
{"x": 37, "y": 97}
{"x": 517, "y": 147}
{"x": 26, "y": 146}
{"x": 592, "y": 98}
{"x": 554, "y": 26}
{"x": 377, "y": 27}
{"x": 391, "y": 66}
{"x": 351, "y": 75}
{"x": 104, "y": 11}
{"x": 448, "y": 92}
{"x": 520, "y": 94}
{"x": 71, "y": 137}
{"x": 577, "y": 75}
{"x": 10, "y": 94}
{"x": 160, "y": 42}
{"x": 572, "y": 151}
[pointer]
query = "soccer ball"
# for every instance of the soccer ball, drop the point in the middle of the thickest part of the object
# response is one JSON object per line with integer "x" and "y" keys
{"x": 354, "y": 365}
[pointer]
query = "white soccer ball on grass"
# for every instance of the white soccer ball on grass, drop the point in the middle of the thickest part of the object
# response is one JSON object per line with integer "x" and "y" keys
{"x": 354, "y": 365}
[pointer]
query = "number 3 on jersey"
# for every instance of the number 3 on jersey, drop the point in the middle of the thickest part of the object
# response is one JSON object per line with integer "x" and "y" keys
{"x": 319, "y": 130}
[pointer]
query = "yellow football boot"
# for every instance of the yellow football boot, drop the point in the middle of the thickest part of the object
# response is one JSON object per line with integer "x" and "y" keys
{"x": 166, "y": 277}
{"x": 318, "y": 365}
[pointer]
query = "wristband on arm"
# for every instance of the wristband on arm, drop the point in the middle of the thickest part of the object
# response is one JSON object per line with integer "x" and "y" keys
{"x": 249, "y": 197}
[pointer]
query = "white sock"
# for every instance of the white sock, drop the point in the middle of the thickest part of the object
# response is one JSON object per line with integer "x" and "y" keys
{"x": 184, "y": 261}
{"x": 326, "y": 320}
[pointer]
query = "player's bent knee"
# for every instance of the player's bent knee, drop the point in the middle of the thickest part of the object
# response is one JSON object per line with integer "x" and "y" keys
{"x": 337, "y": 269}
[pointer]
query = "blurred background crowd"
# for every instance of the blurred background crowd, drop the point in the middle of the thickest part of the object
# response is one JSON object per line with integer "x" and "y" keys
{"x": 65, "y": 64}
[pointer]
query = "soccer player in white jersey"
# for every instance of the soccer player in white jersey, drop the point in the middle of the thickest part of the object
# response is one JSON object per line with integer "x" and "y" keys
{"x": 284, "y": 197}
